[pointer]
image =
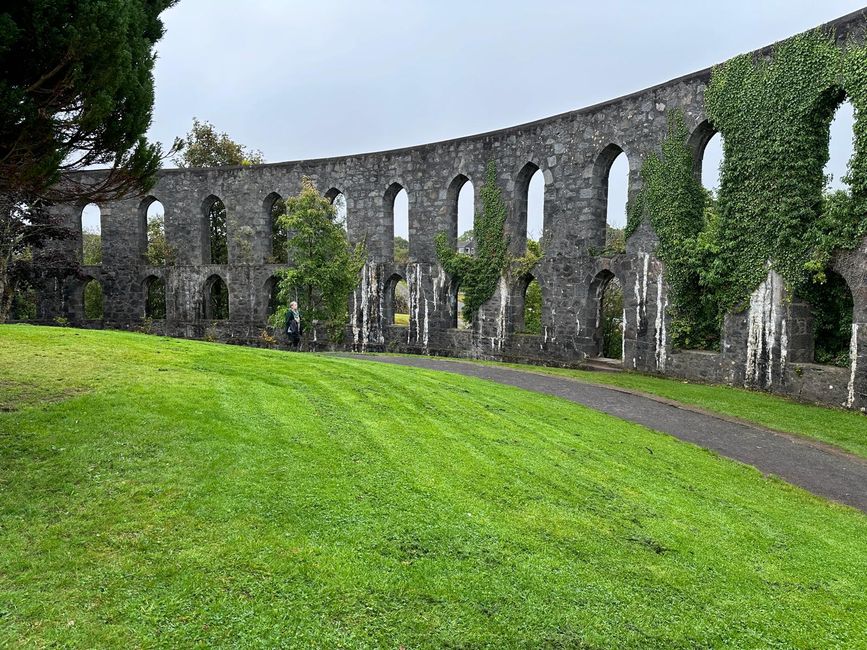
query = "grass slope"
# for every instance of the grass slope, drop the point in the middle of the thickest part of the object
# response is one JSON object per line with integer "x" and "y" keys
{"x": 166, "y": 493}
{"x": 837, "y": 426}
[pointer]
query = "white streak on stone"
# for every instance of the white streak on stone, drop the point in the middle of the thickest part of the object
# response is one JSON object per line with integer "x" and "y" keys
{"x": 623, "y": 336}
{"x": 660, "y": 335}
{"x": 784, "y": 349}
{"x": 853, "y": 362}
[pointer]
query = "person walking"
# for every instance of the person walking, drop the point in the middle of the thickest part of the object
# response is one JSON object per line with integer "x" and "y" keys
{"x": 293, "y": 325}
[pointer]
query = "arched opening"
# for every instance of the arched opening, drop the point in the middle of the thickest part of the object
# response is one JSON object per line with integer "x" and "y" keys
{"x": 711, "y": 164}
{"x": 24, "y": 302}
{"x": 397, "y": 214}
{"x": 536, "y": 206}
{"x": 338, "y": 200}
{"x": 216, "y": 242}
{"x": 527, "y": 306}
{"x": 216, "y": 299}
{"x": 157, "y": 251}
{"x": 92, "y": 298}
{"x": 610, "y": 195}
{"x": 706, "y": 144}
{"x": 608, "y": 334}
{"x": 841, "y": 147}
{"x": 273, "y": 206}
{"x": 155, "y": 298}
{"x": 457, "y": 308}
{"x": 91, "y": 235}
{"x": 461, "y": 212}
{"x": 272, "y": 293}
{"x": 831, "y": 306}
{"x": 397, "y": 301}
{"x": 529, "y": 207}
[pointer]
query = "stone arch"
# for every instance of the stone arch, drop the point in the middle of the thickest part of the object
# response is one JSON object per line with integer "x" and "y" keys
{"x": 841, "y": 119}
{"x": 389, "y": 218}
{"x": 456, "y": 317}
{"x": 521, "y": 206}
{"x": 391, "y": 306}
{"x": 215, "y": 298}
{"x": 270, "y": 297}
{"x": 341, "y": 210}
{"x": 155, "y": 297}
{"x": 453, "y": 194}
{"x": 272, "y": 206}
{"x": 90, "y": 222}
{"x": 601, "y": 187}
{"x": 698, "y": 141}
{"x": 92, "y": 299}
{"x": 215, "y": 236}
{"x": 606, "y": 324}
{"x": 832, "y": 312}
{"x": 526, "y": 302}
{"x": 145, "y": 208}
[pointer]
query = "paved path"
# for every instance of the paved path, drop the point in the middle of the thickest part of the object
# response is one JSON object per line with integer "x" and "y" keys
{"x": 811, "y": 465}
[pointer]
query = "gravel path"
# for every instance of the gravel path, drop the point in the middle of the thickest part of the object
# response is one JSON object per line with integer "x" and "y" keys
{"x": 811, "y": 465}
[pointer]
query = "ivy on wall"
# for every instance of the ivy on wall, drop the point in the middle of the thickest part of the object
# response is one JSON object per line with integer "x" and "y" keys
{"x": 774, "y": 114}
{"x": 478, "y": 275}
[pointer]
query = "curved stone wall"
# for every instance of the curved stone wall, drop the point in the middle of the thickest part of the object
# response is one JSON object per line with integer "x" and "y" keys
{"x": 574, "y": 151}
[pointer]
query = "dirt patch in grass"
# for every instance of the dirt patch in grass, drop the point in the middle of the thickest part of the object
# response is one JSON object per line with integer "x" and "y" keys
{"x": 18, "y": 395}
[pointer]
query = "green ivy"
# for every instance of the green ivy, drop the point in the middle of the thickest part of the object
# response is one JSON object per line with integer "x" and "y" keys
{"x": 479, "y": 274}
{"x": 677, "y": 205}
{"x": 774, "y": 114}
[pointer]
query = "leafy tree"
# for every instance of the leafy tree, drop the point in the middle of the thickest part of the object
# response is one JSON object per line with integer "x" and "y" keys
{"x": 325, "y": 268}
{"x": 92, "y": 248}
{"x": 205, "y": 147}
{"x": 155, "y": 303}
{"x": 93, "y": 300}
{"x": 612, "y": 320}
{"x": 466, "y": 236}
{"x": 159, "y": 252}
{"x": 533, "y": 308}
{"x": 76, "y": 90}
{"x": 401, "y": 251}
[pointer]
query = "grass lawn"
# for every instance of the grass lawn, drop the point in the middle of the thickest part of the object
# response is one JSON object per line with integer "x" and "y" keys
{"x": 165, "y": 493}
{"x": 837, "y": 426}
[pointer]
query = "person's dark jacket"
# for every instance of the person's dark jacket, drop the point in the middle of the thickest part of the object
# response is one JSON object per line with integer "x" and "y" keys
{"x": 293, "y": 323}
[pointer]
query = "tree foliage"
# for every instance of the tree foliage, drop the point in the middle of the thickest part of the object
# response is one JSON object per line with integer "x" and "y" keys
{"x": 76, "y": 90}
{"x": 401, "y": 252}
{"x": 325, "y": 267}
{"x": 204, "y": 146}
{"x": 159, "y": 252}
{"x": 91, "y": 248}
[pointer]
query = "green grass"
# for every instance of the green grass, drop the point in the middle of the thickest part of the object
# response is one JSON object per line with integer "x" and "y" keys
{"x": 837, "y": 426}
{"x": 166, "y": 493}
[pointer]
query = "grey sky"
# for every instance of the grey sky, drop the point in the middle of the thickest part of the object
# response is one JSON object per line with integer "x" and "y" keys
{"x": 332, "y": 77}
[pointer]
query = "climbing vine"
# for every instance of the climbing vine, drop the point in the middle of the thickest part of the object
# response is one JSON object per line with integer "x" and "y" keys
{"x": 479, "y": 274}
{"x": 774, "y": 114}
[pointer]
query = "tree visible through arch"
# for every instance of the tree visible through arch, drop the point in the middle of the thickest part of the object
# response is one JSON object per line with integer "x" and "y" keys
{"x": 93, "y": 300}
{"x": 216, "y": 243}
{"x": 216, "y": 299}
{"x": 609, "y": 315}
{"x": 155, "y": 298}
{"x": 91, "y": 235}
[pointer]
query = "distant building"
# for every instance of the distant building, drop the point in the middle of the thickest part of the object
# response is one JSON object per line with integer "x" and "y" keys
{"x": 467, "y": 247}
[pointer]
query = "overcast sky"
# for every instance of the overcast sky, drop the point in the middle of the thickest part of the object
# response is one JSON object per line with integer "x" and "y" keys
{"x": 332, "y": 77}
